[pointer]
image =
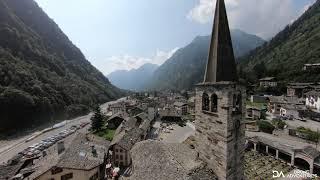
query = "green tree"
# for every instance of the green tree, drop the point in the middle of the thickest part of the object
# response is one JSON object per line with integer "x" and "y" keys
{"x": 97, "y": 120}
{"x": 266, "y": 127}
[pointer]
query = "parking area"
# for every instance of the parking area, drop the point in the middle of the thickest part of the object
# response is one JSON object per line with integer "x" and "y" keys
{"x": 173, "y": 133}
{"x": 35, "y": 149}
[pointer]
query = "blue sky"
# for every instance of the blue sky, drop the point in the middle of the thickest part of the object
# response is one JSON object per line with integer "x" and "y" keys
{"x": 124, "y": 34}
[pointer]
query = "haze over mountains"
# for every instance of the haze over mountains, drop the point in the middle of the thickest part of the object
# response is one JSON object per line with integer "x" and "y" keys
{"x": 134, "y": 79}
{"x": 283, "y": 56}
{"x": 172, "y": 74}
{"x": 43, "y": 76}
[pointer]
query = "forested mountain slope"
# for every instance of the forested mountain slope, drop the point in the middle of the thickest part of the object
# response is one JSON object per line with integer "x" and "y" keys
{"x": 285, "y": 55}
{"x": 43, "y": 76}
{"x": 186, "y": 67}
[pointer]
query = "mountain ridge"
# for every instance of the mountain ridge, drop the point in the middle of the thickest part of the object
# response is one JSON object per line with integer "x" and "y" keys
{"x": 294, "y": 46}
{"x": 42, "y": 73}
{"x": 186, "y": 67}
{"x": 132, "y": 79}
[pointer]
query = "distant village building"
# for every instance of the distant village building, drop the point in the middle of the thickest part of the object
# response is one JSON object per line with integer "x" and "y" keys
{"x": 251, "y": 125}
{"x": 258, "y": 99}
{"x": 170, "y": 114}
{"x": 276, "y": 102}
{"x": 313, "y": 100}
{"x": 299, "y": 89}
{"x": 181, "y": 107}
{"x": 117, "y": 108}
{"x": 311, "y": 67}
{"x": 191, "y": 108}
{"x": 268, "y": 82}
{"x": 84, "y": 159}
{"x": 253, "y": 113}
{"x": 290, "y": 110}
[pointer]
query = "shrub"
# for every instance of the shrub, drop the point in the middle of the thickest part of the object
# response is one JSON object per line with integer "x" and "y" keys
{"x": 266, "y": 127}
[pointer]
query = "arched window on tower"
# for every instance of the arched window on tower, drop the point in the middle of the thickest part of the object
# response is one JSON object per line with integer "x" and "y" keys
{"x": 237, "y": 102}
{"x": 214, "y": 103}
{"x": 205, "y": 102}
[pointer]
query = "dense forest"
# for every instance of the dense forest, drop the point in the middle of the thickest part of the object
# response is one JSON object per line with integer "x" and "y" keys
{"x": 285, "y": 55}
{"x": 186, "y": 67}
{"x": 43, "y": 76}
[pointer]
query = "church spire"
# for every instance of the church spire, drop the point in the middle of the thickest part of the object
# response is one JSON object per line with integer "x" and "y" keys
{"x": 221, "y": 64}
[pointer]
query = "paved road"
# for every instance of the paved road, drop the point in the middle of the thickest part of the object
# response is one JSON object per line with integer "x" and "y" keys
{"x": 14, "y": 147}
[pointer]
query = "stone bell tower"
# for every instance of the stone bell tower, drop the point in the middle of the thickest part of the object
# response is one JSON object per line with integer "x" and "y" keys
{"x": 220, "y": 105}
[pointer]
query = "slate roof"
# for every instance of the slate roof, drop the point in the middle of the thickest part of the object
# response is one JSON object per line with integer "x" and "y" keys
{"x": 311, "y": 152}
{"x": 267, "y": 79}
{"x": 8, "y": 171}
{"x": 80, "y": 155}
{"x": 293, "y": 107}
{"x": 221, "y": 64}
{"x": 169, "y": 112}
{"x": 126, "y": 139}
{"x": 313, "y": 93}
{"x": 155, "y": 160}
{"x": 284, "y": 100}
{"x": 179, "y": 104}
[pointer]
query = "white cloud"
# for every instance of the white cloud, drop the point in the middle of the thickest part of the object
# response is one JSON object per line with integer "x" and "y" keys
{"x": 260, "y": 17}
{"x": 127, "y": 62}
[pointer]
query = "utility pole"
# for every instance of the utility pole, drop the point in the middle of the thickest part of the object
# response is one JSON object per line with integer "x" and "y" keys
{"x": 317, "y": 138}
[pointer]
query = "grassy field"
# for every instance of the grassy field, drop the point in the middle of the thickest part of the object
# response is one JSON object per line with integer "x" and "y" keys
{"x": 257, "y": 105}
{"x": 106, "y": 133}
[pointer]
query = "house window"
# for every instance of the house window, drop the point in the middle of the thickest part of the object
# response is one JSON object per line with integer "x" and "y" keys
{"x": 67, "y": 176}
{"x": 117, "y": 150}
{"x": 121, "y": 157}
{"x": 121, "y": 150}
{"x": 94, "y": 177}
{"x": 117, "y": 156}
{"x": 205, "y": 102}
{"x": 214, "y": 103}
{"x": 56, "y": 170}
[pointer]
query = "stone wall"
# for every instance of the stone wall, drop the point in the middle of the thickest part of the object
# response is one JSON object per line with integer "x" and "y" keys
{"x": 220, "y": 135}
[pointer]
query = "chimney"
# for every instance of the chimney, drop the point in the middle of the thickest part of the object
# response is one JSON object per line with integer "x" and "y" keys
{"x": 94, "y": 151}
{"x": 61, "y": 147}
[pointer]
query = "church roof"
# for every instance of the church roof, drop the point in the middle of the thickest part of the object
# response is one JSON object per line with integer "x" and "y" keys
{"x": 221, "y": 64}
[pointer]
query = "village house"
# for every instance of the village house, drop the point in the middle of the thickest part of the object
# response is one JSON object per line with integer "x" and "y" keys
{"x": 268, "y": 82}
{"x": 291, "y": 111}
{"x": 85, "y": 159}
{"x": 311, "y": 67}
{"x": 276, "y": 102}
{"x": 181, "y": 107}
{"x": 131, "y": 131}
{"x": 253, "y": 113}
{"x": 169, "y": 114}
{"x": 191, "y": 108}
{"x": 299, "y": 89}
{"x": 117, "y": 108}
{"x": 258, "y": 99}
{"x": 313, "y": 100}
{"x": 122, "y": 144}
{"x": 115, "y": 120}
